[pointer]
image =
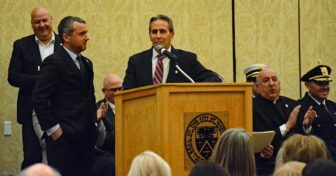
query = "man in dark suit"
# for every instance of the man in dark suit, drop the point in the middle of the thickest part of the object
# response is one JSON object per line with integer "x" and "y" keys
{"x": 64, "y": 101}
{"x": 318, "y": 116}
{"x": 272, "y": 112}
{"x": 148, "y": 67}
{"x": 104, "y": 160}
{"x": 112, "y": 83}
{"x": 23, "y": 72}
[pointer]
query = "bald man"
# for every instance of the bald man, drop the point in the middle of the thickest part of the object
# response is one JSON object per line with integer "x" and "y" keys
{"x": 39, "y": 169}
{"x": 112, "y": 83}
{"x": 23, "y": 72}
{"x": 272, "y": 112}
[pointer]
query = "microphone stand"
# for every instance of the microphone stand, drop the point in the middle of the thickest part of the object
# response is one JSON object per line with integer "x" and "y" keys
{"x": 180, "y": 69}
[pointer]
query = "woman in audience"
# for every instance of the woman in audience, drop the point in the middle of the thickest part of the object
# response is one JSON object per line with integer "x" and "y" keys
{"x": 304, "y": 148}
{"x": 234, "y": 152}
{"x": 291, "y": 168}
{"x": 208, "y": 169}
{"x": 149, "y": 163}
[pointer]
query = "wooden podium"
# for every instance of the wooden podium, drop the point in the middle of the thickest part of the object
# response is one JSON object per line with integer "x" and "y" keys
{"x": 155, "y": 118}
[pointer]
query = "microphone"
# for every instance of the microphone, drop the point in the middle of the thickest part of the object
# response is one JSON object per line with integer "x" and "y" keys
{"x": 160, "y": 49}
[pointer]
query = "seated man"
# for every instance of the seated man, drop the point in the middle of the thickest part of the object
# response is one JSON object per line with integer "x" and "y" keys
{"x": 104, "y": 160}
{"x": 320, "y": 118}
{"x": 251, "y": 73}
{"x": 272, "y": 112}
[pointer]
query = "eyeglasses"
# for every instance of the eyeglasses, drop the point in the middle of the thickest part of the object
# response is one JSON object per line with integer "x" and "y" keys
{"x": 113, "y": 89}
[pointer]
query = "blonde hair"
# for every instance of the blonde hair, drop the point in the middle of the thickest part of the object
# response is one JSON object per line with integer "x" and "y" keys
{"x": 291, "y": 168}
{"x": 234, "y": 152}
{"x": 149, "y": 163}
{"x": 304, "y": 148}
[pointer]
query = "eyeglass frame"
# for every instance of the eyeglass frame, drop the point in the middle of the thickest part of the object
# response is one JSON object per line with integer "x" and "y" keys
{"x": 113, "y": 89}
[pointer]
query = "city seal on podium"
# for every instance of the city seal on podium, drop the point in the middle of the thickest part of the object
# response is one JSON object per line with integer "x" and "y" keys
{"x": 201, "y": 134}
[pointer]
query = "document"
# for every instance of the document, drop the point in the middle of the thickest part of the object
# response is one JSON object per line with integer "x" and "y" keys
{"x": 261, "y": 140}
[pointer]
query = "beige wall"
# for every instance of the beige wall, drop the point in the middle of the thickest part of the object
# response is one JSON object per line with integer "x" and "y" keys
{"x": 266, "y": 31}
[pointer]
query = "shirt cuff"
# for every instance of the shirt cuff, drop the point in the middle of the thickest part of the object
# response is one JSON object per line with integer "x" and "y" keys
{"x": 283, "y": 130}
{"x": 307, "y": 130}
{"x": 52, "y": 130}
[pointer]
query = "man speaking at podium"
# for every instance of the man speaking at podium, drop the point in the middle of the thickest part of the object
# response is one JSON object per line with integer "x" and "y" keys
{"x": 159, "y": 64}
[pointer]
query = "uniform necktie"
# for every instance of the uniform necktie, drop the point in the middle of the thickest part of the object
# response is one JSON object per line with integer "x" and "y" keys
{"x": 158, "y": 73}
{"x": 325, "y": 108}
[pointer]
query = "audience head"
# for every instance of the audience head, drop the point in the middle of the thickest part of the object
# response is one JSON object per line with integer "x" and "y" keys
{"x": 112, "y": 83}
{"x": 149, "y": 163}
{"x": 234, "y": 152}
{"x": 320, "y": 167}
{"x": 303, "y": 148}
{"x": 161, "y": 30}
{"x": 73, "y": 33}
{"x": 317, "y": 82}
{"x": 208, "y": 169}
{"x": 291, "y": 168}
{"x": 268, "y": 84}
{"x": 41, "y": 22}
{"x": 39, "y": 169}
{"x": 251, "y": 73}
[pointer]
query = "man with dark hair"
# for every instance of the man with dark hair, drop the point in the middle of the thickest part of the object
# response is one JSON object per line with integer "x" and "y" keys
{"x": 150, "y": 67}
{"x": 320, "y": 118}
{"x": 23, "y": 72}
{"x": 272, "y": 112}
{"x": 64, "y": 101}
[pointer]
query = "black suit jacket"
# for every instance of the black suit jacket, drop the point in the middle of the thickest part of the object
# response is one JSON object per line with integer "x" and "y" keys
{"x": 268, "y": 117}
{"x": 63, "y": 96}
{"x": 23, "y": 73}
{"x": 109, "y": 121}
{"x": 139, "y": 69}
{"x": 324, "y": 125}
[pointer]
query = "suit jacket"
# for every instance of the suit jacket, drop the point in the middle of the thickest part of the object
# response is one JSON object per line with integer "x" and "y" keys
{"x": 109, "y": 121}
{"x": 324, "y": 125}
{"x": 266, "y": 117}
{"x": 23, "y": 73}
{"x": 63, "y": 96}
{"x": 139, "y": 69}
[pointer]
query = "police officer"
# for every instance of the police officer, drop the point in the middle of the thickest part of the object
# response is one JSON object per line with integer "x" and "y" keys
{"x": 318, "y": 114}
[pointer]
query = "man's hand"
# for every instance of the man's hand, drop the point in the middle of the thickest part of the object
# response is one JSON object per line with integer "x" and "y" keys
{"x": 267, "y": 152}
{"x": 309, "y": 117}
{"x": 101, "y": 111}
{"x": 291, "y": 122}
{"x": 57, "y": 134}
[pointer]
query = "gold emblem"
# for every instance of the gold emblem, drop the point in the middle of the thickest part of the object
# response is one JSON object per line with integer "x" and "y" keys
{"x": 324, "y": 71}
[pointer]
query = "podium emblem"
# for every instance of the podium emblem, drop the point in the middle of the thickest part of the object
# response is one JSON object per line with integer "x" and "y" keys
{"x": 202, "y": 131}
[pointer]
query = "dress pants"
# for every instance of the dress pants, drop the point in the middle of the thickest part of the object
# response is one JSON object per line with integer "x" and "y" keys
{"x": 68, "y": 157}
{"x": 32, "y": 152}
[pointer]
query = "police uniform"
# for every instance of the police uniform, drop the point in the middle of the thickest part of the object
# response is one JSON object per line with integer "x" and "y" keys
{"x": 324, "y": 124}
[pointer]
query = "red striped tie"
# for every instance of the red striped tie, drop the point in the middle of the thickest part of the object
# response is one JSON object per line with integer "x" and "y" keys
{"x": 158, "y": 74}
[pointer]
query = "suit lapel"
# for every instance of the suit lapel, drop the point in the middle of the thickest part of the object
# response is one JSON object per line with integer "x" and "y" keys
{"x": 71, "y": 64}
{"x": 172, "y": 70}
{"x": 34, "y": 49}
{"x": 147, "y": 72}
